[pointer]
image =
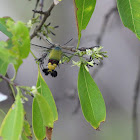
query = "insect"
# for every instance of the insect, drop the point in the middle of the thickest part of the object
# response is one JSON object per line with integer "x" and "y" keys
{"x": 55, "y": 55}
{"x": 54, "y": 58}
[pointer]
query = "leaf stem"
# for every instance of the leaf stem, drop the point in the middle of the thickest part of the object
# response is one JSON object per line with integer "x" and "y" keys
{"x": 14, "y": 76}
{"x": 2, "y": 112}
{"x": 8, "y": 80}
{"x": 13, "y": 91}
{"x": 33, "y": 54}
{"x": 12, "y": 84}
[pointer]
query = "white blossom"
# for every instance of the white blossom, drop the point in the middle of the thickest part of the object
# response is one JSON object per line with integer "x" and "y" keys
{"x": 3, "y": 97}
{"x": 56, "y": 1}
{"x": 88, "y": 52}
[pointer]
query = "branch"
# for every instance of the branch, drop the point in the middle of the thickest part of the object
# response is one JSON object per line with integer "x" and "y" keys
{"x": 8, "y": 80}
{"x": 46, "y": 15}
{"x": 14, "y": 84}
{"x": 35, "y": 7}
{"x": 104, "y": 25}
{"x": 39, "y": 12}
{"x": 73, "y": 49}
{"x": 135, "y": 106}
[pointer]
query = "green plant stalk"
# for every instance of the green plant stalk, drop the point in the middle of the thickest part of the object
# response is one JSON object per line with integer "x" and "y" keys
{"x": 33, "y": 54}
{"x": 13, "y": 91}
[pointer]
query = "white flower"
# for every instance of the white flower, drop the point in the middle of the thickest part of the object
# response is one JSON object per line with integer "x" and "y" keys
{"x": 29, "y": 24}
{"x": 3, "y": 97}
{"x": 56, "y": 1}
{"x": 34, "y": 90}
{"x": 78, "y": 63}
{"x": 88, "y": 52}
{"x": 95, "y": 49}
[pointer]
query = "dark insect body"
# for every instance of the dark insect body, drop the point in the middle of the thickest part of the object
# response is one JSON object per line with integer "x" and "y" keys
{"x": 54, "y": 58}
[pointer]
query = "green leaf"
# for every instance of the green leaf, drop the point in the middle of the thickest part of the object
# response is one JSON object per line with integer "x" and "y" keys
{"x": 42, "y": 116}
{"x": 12, "y": 124}
{"x": 20, "y": 41}
{"x": 24, "y": 137}
{"x": 16, "y": 48}
{"x": 20, "y": 38}
{"x": 83, "y": 10}
{"x": 129, "y": 11}
{"x": 37, "y": 121}
{"x": 18, "y": 63}
{"x": 5, "y": 58}
{"x": 3, "y": 26}
{"x": 91, "y": 99}
{"x": 46, "y": 93}
{"x": 2, "y": 115}
{"x": 3, "y": 67}
{"x": 27, "y": 130}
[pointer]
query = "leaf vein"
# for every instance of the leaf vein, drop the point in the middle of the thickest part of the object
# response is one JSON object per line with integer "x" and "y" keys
{"x": 88, "y": 93}
{"x": 132, "y": 16}
{"x": 83, "y": 13}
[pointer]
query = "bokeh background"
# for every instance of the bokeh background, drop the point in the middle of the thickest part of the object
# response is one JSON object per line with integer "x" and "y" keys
{"x": 116, "y": 76}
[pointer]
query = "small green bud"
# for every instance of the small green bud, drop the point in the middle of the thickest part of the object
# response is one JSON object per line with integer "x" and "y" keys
{"x": 78, "y": 63}
{"x": 91, "y": 63}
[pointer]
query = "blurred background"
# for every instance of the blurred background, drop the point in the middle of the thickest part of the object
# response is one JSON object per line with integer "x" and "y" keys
{"x": 116, "y": 76}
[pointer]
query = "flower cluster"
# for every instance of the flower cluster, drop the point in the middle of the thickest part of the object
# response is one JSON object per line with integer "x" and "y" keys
{"x": 90, "y": 57}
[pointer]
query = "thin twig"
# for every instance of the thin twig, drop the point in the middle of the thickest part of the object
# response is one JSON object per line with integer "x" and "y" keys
{"x": 12, "y": 84}
{"x": 72, "y": 49}
{"x": 39, "y": 12}
{"x": 46, "y": 15}
{"x": 8, "y": 80}
{"x": 35, "y": 7}
{"x": 135, "y": 106}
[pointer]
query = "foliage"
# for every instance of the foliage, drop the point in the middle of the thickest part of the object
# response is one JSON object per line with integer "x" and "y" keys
{"x": 13, "y": 121}
{"x": 17, "y": 47}
{"x": 5, "y": 57}
{"x": 4, "y": 27}
{"x": 44, "y": 111}
{"x": 46, "y": 93}
{"x": 84, "y": 10}
{"x": 42, "y": 116}
{"x": 129, "y": 11}
{"x": 90, "y": 98}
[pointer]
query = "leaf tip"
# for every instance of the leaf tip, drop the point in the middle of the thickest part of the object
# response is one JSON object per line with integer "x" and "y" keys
{"x": 98, "y": 129}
